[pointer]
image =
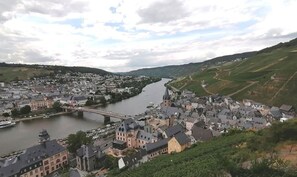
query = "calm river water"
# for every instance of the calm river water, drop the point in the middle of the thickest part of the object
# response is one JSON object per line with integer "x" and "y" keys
{"x": 25, "y": 134}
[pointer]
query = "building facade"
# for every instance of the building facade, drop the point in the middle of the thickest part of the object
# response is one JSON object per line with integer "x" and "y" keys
{"x": 37, "y": 161}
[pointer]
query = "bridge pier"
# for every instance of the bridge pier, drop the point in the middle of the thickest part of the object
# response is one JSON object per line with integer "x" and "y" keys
{"x": 106, "y": 119}
{"x": 80, "y": 113}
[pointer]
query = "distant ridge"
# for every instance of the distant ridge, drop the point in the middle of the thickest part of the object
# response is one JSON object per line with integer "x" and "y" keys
{"x": 173, "y": 71}
{"x": 59, "y": 68}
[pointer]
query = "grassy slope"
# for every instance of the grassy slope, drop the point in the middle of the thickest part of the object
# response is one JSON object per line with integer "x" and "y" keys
{"x": 174, "y": 71}
{"x": 231, "y": 154}
{"x": 253, "y": 74}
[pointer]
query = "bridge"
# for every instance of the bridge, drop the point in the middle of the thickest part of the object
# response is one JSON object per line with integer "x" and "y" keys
{"x": 106, "y": 114}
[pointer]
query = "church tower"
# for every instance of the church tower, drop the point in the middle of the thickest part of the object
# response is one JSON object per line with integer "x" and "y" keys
{"x": 43, "y": 137}
{"x": 166, "y": 99}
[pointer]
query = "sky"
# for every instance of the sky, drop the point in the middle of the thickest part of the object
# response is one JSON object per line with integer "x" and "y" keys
{"x": 124, "y": 35}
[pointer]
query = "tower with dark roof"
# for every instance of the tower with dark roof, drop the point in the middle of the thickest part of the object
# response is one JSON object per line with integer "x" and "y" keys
{"x": 43, "y": 136}
{"x": 166, "y": 99}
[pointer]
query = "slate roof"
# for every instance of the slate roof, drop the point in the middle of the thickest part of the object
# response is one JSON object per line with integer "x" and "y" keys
{"x": 173, "y": 130}
{"x": 201, "y": 134}
{"x": 143, "y": 135}
{"x": 127, "y": 125}
{"x": 134, "y": 158}
{"x": 152, "y": 147}
{"x": 87, "y": 151}
{"x": 285, "y": 107}
{"x": 30, "y": 156}
{"x": 182, "y": 138}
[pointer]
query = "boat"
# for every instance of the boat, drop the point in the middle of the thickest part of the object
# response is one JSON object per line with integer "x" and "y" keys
{"x": 4, "y": 123}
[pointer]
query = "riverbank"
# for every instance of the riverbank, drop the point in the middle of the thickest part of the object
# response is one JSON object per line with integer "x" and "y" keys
{"x": 41, "y": 116}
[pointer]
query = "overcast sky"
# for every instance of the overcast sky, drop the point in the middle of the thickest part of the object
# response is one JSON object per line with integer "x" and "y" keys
{"x": 123, "y": 35}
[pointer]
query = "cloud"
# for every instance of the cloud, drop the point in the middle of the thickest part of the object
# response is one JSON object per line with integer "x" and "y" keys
{"x": 163, "y": 12}
{"x": 121, "y": 35}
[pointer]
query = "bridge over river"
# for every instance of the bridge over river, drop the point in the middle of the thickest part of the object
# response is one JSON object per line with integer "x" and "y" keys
{"x": 106, "y": 114}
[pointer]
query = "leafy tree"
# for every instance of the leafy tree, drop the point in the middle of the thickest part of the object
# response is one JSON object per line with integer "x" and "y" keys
{"x": 15, "y": 112}
{"x": 5, "y": 114}
{"x": 103, "y": 101}
{"x": 90, "y": 102}
{"x": 57, "y": 106}
{"x": 75, "y": 141}
{"x": 25, "y": 110}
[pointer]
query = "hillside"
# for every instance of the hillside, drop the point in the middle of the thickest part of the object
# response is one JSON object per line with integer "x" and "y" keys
{"x": 10, "y": 72}
{"x": 269, "y": 77}
{"x": 174, "y": 71}
{"x": 237, "y": 154}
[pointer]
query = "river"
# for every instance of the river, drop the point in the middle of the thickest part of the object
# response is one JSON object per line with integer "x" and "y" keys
{"x": 25, "y": 134}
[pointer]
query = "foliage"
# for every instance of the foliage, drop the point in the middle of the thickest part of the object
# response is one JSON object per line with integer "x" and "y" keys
{"x": 57, "y": 106}
{"x": 90, "y": 102}
{"x": 268, "y": 138}
{"x": 110, "y": 162}
{"x": 25, "y": 110}
{"x": 103, "y": 101}
{"x": 75, "y": 141}
{"x": 5, "y": 114}
{"x": 15, "y": 113}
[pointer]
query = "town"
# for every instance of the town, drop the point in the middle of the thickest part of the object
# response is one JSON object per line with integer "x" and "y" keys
{"x": 173, "y": 126}
{"x": 37, "y": 96}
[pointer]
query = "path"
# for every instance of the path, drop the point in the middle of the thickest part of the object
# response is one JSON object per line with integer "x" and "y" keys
{"x": 238, "y": 91}
{"x": 293, "y": 75}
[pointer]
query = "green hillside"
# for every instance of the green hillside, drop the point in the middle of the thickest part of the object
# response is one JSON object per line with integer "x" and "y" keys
{"x": 174, "y": 71}
{"x": 269, "y": 77}
{"x": 10, "y": 72}
{"x": 239, "y": 154}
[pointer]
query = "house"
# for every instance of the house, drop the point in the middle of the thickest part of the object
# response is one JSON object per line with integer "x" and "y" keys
{"x": 190, "y": 122}
{"x": 129, "y": 131}
{"x": 133, "y": 160}
{"x": 78, "y": 100}
{"x": 178, "y": 143}
{"x": 41, "y": 103}
{"x": 275, "y": 112}
{"x": 87, "y": 157}
{"x": 173, "y": 130}
{"x": 157, "y": 148}
{"x": 286, "y": 108}
{"x": 201, "y": 134}
{"x": 39, "y": 160}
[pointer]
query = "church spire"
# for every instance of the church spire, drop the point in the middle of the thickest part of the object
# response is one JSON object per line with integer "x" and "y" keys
{"x": 166, "y": 95}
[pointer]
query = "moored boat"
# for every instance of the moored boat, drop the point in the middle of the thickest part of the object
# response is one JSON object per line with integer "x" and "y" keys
{"x": 4, "y": 123}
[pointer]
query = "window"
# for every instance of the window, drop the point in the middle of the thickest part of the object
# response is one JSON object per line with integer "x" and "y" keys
{"x": 64, "y": 158}
{"x": 46, "y": 162}
{"x": 31, "y": 173}
{"x": 53, "y": 168}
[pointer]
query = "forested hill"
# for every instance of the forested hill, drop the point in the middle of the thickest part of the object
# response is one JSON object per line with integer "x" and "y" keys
{"x": 9, "y": 72}
{"x": 174, "y": 71}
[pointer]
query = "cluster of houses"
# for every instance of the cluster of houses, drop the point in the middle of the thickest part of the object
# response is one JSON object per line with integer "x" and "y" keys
{"x": 171, "y": 127}
{"x": 174, "y": 126}
{"x": 71, "y": 88}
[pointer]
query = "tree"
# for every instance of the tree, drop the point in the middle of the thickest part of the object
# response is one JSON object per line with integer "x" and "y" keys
{"x": 25, "y": 110}
{"x": 90, "y": 102}
{"x": 57, "y": 106}
{"x": 103, "y": 101}
{"x": 5, "y": 114}
{"x": 15, "y": 113}
{"x": 75, "y": 141}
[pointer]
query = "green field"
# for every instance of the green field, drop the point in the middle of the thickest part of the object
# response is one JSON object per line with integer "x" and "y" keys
{"x": 8, "y": 74}
{"x": 269, "y": 78}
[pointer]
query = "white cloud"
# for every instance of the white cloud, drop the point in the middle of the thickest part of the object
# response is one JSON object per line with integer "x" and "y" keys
{"x": 122, "y": 35}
